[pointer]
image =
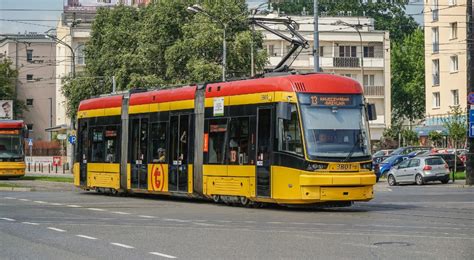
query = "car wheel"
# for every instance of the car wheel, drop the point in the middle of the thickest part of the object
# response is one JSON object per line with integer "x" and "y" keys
{"x": 391, "y": 180}
{"x": 445, "y": 181}
{"x": 419, "y": 179}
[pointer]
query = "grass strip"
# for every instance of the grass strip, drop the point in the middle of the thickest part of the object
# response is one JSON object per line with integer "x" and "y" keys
{"x": 48, "y": 178}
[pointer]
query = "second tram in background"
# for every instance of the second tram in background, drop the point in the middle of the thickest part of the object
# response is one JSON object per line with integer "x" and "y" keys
{"x": 12, "y": 157}
{"x": 295, "y": 139}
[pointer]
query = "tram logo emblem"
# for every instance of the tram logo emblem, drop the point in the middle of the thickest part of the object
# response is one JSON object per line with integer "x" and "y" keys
{"x": 158, "y": 177}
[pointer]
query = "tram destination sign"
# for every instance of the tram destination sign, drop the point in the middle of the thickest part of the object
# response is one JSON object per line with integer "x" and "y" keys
{"x": 331, "y": 100}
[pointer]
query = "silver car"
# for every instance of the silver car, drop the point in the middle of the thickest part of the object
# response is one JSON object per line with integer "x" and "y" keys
{"x": 419, "y": 170}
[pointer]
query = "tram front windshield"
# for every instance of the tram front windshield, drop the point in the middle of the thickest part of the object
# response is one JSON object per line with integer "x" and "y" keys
{"x": 10, "y": 145}
{"x": 334, "y": 125}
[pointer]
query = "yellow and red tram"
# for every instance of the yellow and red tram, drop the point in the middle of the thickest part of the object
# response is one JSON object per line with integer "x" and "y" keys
{"x": 294, "y": 139}
{"x": 12, "y": 156}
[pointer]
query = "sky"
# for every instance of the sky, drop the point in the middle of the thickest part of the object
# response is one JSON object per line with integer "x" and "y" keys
{"x": 31, "y": 19}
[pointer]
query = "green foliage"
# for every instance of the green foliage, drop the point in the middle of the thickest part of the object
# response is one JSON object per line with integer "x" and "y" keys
{"x": 388, "y": 15}
{"x": 408, "y": 78}
{"x": 409, "y": 137}
{"x": 390, "y": 136}
{"x": 456, "y": 124}
{"x": 162, "y": 44}
{"x": 8, "y": 77}
{"x": 435, "y": 138}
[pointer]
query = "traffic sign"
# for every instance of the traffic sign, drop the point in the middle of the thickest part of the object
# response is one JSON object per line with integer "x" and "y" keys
{"x": 470, "y": 98}
{"x": 30, "y": 142}
{"x": 471, "y": 115}
{"x": 72, "y": 139}
{"x": 471, "y": 129}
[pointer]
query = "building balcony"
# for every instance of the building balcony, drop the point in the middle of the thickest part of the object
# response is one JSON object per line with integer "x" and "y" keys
{"x": 374, "y": 91}
{"x": 346, "y": 62}
{"x": 304, "y": 61}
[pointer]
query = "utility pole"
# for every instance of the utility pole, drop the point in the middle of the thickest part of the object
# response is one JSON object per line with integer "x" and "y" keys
{"x": 316, "y": 38}
{"x": 470, "y": 88}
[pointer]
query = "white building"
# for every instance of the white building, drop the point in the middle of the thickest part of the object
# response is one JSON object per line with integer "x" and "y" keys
{"x": 340, "y": 53}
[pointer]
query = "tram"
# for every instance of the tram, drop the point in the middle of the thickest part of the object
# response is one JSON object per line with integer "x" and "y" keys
{"x": 292, "y": 139}
{"x": 12, "y": 156}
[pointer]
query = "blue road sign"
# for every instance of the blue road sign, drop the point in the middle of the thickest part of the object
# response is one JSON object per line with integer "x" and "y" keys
{"x": 30, "y": 142}
{"x": 72, "y": 139}
{"x": 471, "y": 129}
{"x": 470, "y": 98}
{"x": 471, "y": 115}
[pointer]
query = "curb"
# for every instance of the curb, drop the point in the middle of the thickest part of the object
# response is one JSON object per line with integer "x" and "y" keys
{"x": 15, "y": 189}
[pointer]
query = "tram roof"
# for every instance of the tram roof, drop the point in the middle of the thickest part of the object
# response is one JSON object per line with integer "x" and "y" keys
{"x": 12, "y": 124}
{"x": 307, "y": 83}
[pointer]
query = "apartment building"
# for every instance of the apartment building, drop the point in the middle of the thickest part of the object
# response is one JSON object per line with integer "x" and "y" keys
{"x": 445, "y": 60}
{"x": 34, "y": 56}
{"x": 364, "y": 57}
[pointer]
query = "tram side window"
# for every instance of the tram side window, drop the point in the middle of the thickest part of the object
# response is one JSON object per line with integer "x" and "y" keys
{"x": 217, "y": 133}
{"x": 112, "y": 144}
{"x": 289, "y": 139}
{"x": 97, "y": 149}
{"x": 158, "y": 142}
{"x": 238, "y": 148}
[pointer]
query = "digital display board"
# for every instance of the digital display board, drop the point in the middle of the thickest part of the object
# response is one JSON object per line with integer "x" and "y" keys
{"x": 331, "y": 100}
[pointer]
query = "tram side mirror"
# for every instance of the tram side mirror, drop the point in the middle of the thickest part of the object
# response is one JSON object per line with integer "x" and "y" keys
{"x": 372, "y": 114}
{"x": 284, "y": 111}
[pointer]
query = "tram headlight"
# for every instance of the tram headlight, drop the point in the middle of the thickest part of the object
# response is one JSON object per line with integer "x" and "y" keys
{"x": 367, "y": 166}
{"x": 317, "y": 166}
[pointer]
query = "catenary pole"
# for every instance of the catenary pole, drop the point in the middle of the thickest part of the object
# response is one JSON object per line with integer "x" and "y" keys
{"x": 470, "y": 88}
{"x": 316, "y": 37}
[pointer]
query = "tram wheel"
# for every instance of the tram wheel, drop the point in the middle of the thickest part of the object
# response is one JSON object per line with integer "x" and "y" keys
{"x": 244, "y": 201}
{"x": 216, "y": 198}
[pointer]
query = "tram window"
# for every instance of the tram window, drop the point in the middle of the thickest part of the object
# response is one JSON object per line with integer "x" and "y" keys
{"x": 97, "y": 149}
{"x": 111, "y": 144}
{"x": 289, "y": 139}
{"x": 217, "y": 132}
{"x": 158, "y": 142}
{"x": 238, "y": 147}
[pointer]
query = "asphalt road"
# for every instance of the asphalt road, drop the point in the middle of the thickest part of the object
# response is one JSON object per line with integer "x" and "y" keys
{"x": 408, "y": 222}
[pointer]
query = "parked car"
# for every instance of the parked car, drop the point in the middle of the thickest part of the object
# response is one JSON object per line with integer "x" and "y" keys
{"x": 419, "y": 170}
{"x": 449, "y": 159}
{"x": 382, "y": 153}
{"x": 376, "y": 165}
{"x": 409, "y": 149}
{"x": 391, "y": 161}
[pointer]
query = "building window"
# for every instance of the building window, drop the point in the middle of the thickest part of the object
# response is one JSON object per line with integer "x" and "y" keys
{"x": 452, "y": 2}
{"x": 455, "y": 95}
{"x": 369, "y": 52}
{"x": 454, "y": 30}
{"x": 352, "y": 76}
{"x": 454, "y": 64}
{"x": 436, "y": 72}
{"x": 321, "y": 51}
{"x": 369, "y": 80}
{"x": 29, "y": 102}
{"x": 271, "y": 50}
{"x": 435, "y": 39}
{"x": 434, "y": 10}
{"x": 29, "y": 77}
{"x": 80, "y": 60}
{"x": 29, "y": 55}
{"x": 347, "y": 51}
{"x": 436, "y": 100}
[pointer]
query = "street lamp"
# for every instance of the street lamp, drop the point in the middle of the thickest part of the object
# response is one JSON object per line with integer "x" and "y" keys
{"x": 198, "y": 9}
{"x": 253, "y": 11}
{"x": 73, "y": 55}
{"x": 356, "y": 27}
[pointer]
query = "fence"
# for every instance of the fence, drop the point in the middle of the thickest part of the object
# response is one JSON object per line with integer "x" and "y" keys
{"x": 40, "y": 167}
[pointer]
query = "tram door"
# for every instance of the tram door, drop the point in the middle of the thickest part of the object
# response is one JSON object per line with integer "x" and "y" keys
{"x": 179, "y": 153}
{"x": 264, "y": 146}
{"x": 139, "y": 152}
{"x": 83, "y": 152}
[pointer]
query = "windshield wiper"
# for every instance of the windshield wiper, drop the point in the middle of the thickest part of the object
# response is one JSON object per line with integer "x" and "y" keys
{"x": 357, "y": 143}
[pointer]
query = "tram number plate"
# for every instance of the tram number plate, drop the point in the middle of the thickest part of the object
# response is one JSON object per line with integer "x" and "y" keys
{"x": 344, "y": 167}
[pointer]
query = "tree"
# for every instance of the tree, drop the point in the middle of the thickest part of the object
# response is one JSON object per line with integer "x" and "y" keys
{"x": 456, "y": 124}
{"x": 8, "y": 77}
{"x": 435, "y": 138}
{"x": 408, "y": 80}
{"x": 161, "y": 45}
{"x": 388, "y": 15}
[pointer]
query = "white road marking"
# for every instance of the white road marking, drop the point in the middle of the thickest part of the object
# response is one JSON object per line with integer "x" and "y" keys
{"x": 30, "y": 223}
{"x": 87, "y": 237}
{"x": 40, "y": 202}
{"x": 205, "y": 224}
{"x": 275, "y": 222}
{"x": 96, "y": 209}
{"x": 250, "y": 221}
{"x": 163, "y": 255}
{"x": 10, "y": 198}
{"x": 176, "y": 220}
{"x": 389, "y": 189}
{"x": 8, "y": 219}
{"x": 25, "y": 200}
{"x": 146, "y": 216}
{"x": 122, "y": 245}
{"x": 57, "y": 204}
{"x": 121, "y": 213}
{"x": 74, "y": 206}
{"x": 57, "y": 229}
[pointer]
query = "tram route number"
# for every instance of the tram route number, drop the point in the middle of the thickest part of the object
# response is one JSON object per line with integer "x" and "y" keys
{"x": 344, "y": 167}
